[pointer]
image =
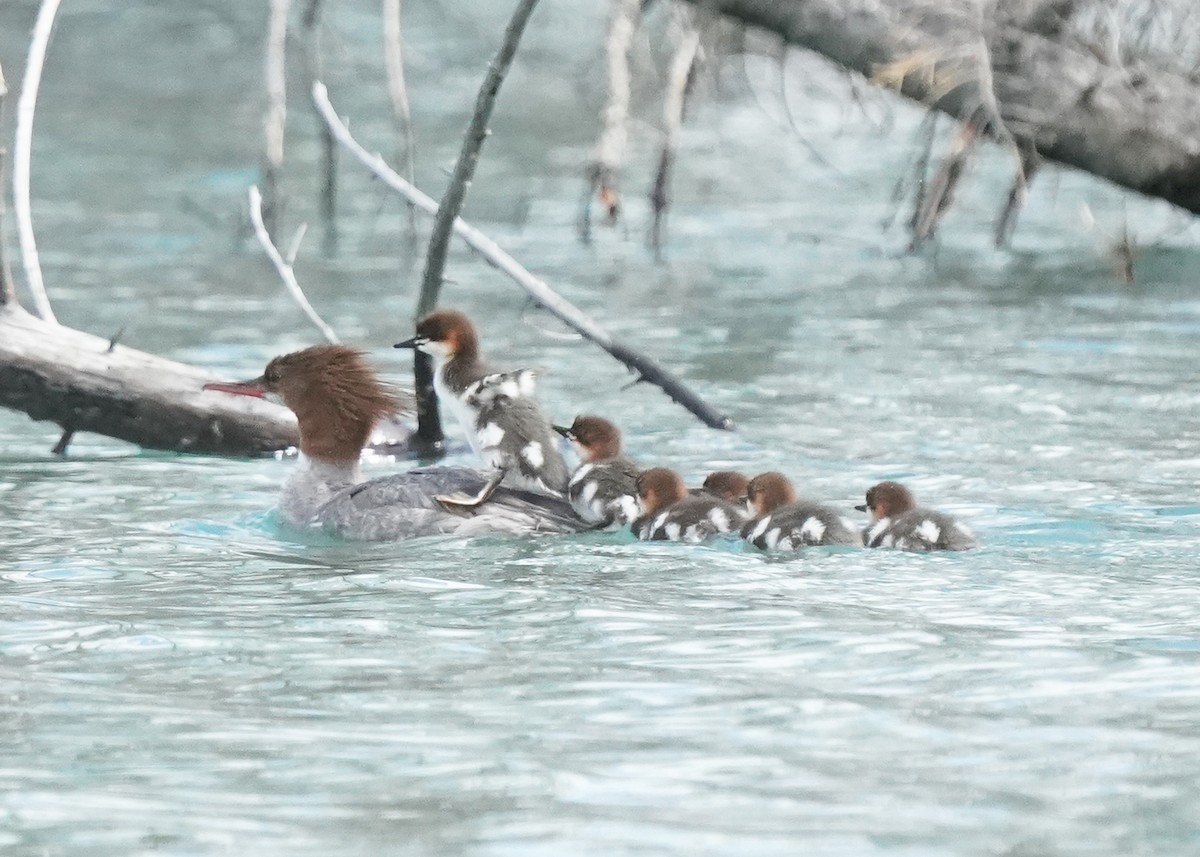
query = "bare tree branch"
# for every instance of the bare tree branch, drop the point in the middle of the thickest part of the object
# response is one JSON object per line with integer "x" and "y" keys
{"x": 284, "y": 266}
{"x": 393, "y": 55}
{"x": 275, "y": 117}
{"x": 647, "y": 369}
{"x": 674, "y": 97}
{"x": 7, "y": 292}
{"x": 22, "y": 149}
{"x": 314, "y": 67}
{"x": 606, "y": 161}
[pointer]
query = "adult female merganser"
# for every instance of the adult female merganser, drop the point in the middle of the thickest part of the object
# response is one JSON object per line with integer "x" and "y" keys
{"x": 497, "y": 410}
{"x": 603, "y": 489}
{"x": 727, "y": 485}
{"x": 782, "y": 521}
{"x": 337, "y": 398}
{"x": 897, "y": 522}
{"x": 669, "y": 513}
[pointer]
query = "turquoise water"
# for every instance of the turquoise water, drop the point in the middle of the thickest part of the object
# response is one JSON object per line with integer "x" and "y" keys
{"x": 179, "y": 675}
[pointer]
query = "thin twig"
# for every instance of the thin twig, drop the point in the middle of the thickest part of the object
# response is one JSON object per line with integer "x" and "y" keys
{"x": 491, "y": 252}
{"x": 22, "y": 147}
{"x": 674, "y": 99}
{"x": 275, "y": 118}
{"x": 940, "y": 195}
{"x": 8, "y": 293}
{"x": 284, "y": 267}
{"x": 606, "y": 160}
{"x": 429, "y": 430}
{"x": 393, "y": 56}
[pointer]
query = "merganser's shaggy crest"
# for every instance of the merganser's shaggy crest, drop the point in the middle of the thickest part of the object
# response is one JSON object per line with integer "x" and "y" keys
{"x": 603, "y": 489}
{"x": 781, "y": 521}
{"x": 497, "y": 410}
{"x": 669, "y": 513}
{"x": 727, "y": 485}
{"x": 337, "y": 399}
{"x": 897, "y": 522}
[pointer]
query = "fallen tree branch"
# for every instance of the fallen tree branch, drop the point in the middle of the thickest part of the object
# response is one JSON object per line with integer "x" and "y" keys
{"x": 1136, "y": 125}
{"x": 83, "y": 383}
{"x": 284, "y": 266}
{"x": 647, "y": 369}
{"x": 22, "y": 149}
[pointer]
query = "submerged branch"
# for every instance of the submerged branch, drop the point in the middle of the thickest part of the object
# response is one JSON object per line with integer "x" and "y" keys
{"x": 429, "y": 429}
{"x": 565, "y": 311}
{"x": 22, "y": 148}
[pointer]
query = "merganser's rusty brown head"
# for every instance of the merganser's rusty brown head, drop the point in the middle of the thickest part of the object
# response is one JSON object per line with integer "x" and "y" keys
{"x": 594, "y": 438}
{"x": 888, "y": 499}
{"x": 335, "y": 394}
{"x": 658, "y": 488}
{"x": 727, "y": 485}
{"x": 445, "y": 334}
{"x": 766, "y": 492}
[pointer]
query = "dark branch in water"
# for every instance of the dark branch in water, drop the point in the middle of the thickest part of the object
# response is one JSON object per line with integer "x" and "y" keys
{"x": 429, "y": 428}
{"x": 563, "y": 309}
{"x": 1027, "y": 166}
{"x": 939, "y": 195}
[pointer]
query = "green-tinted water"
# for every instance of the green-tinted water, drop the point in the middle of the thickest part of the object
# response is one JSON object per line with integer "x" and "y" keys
{"x": 180, "y": 676}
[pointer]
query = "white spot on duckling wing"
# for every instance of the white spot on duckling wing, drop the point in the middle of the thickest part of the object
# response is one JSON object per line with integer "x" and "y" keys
{"x": 579, "y": 474}
{"x": 532, "y": 452}
{"x": 490, "y": 436}
{"x": 773, "y": 537}
{"x": 929, "y": 531}
{"x": 589, "y": 491}
{"x": 626, "y": 508}
{"x": 719, "y": 519}
{"x": 877, "y": 529}
{"x": 812, "y": 530}
{"x": 673, "y": 531}
{"x": 760, "y": 528}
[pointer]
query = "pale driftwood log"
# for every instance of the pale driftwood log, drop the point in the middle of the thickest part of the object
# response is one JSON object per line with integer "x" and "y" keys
{"x": 1135, "y": 124}
{"x": 85, "y": 383}
{"x": 22, "y": 157}
{"x": 646, "y": 368}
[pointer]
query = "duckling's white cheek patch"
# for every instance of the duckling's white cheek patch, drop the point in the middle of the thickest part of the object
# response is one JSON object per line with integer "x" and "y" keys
{"x": 435, "y": 349}
{"x": 533, "y": 454}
